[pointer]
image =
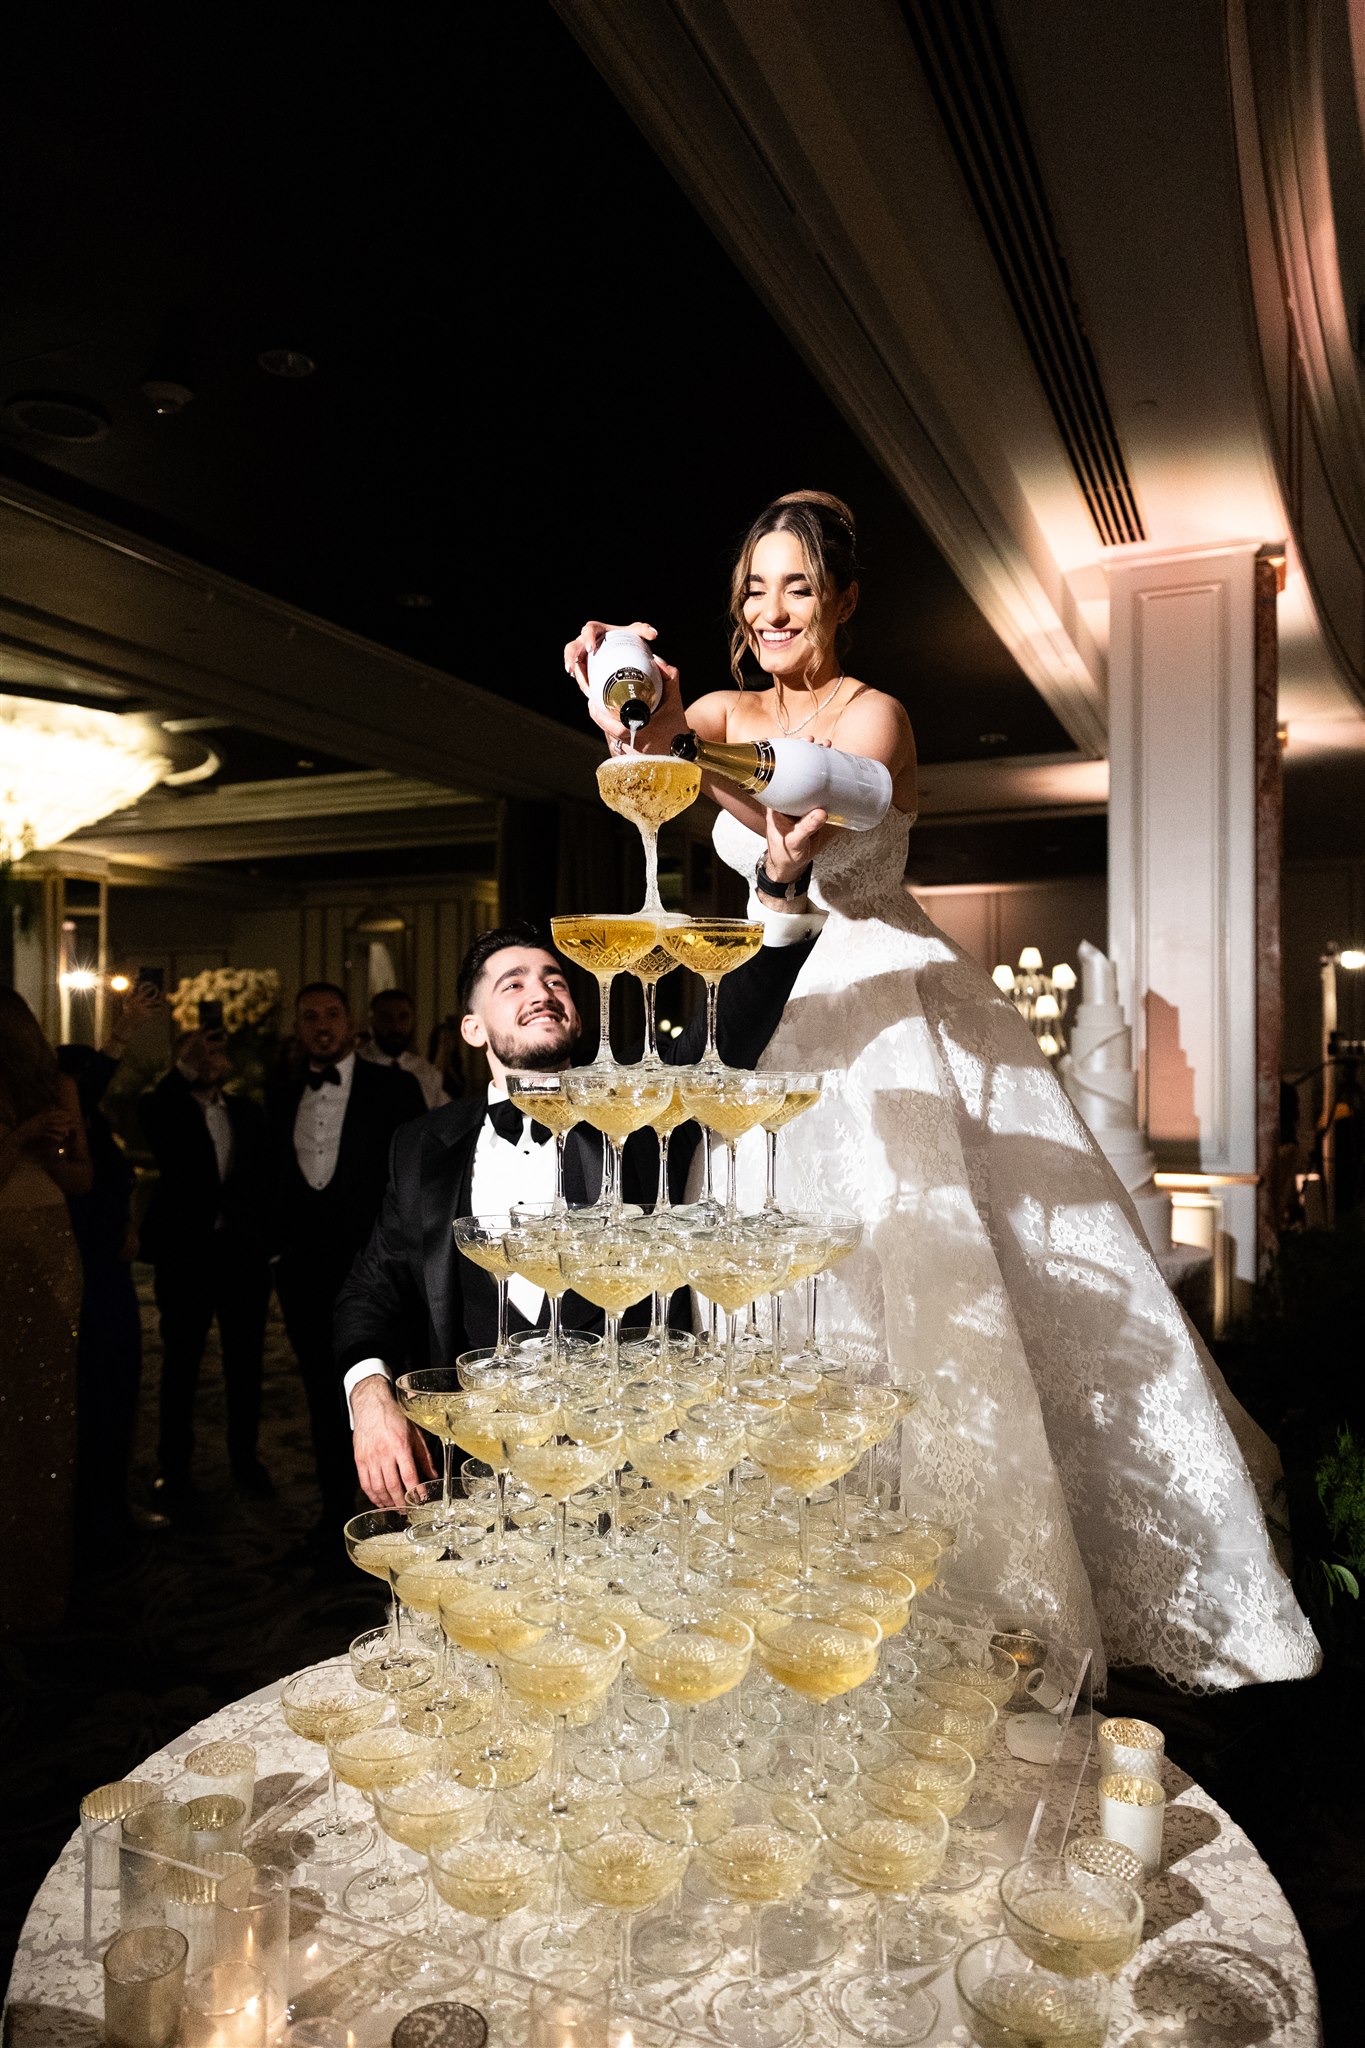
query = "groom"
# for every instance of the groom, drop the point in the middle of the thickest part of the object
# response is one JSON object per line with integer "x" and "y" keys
{"x": 410, "y": 1300}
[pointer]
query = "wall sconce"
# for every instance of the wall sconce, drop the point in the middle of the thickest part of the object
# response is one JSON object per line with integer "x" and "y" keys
{"x": 1042, "y": 1000}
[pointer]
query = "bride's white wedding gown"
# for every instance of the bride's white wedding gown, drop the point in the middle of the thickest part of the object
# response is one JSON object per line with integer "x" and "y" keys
{"x": 1097, "y": 1465}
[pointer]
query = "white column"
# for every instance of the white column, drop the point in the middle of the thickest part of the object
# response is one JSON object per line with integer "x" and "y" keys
{"x": 1182, "y": 866}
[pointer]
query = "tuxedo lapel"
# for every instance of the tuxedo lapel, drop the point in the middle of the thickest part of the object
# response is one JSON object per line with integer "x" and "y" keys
{"x": 582, "y": 1166}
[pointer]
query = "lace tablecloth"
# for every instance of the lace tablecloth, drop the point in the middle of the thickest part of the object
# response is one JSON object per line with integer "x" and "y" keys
{"x": 1222, "y": 1961}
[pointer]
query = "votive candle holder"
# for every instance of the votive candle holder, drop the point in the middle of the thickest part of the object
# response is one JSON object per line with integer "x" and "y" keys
{"x": 225, "y": 2007}
{"x": 1131, "y": 1748}
{"x": 225, "y": 1767}
{"x": 192, "y": 1897}
{"x": 217, "y": 1822}
{"x": 255, "y": 1930}
{"x": 101, "y": 1810}
{"x": 144, "y": 1982}
{"x": 1133, "y": 1811}
{"x": 148, "y": 1837}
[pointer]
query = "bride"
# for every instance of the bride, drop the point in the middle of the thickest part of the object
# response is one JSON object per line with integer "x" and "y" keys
{"x": 1090, "y": 1451}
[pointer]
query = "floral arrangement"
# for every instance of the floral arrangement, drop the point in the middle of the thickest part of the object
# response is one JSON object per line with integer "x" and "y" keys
{"x": 248, "y": 996}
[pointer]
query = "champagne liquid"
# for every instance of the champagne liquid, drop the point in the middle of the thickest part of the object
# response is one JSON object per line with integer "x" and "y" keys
{"x": 918, "y": 1560}
{"x": 794, "y": 1104}
{"x": 376, "y": 1758}
{"x": 801, "y": 1462}
{"x": 759, "y": 1863}
{"x": 489, "y": 1253}
{"x": 943, "y": 1784}
{"x": 327, "y": 1720}
{"x": 567, "y": 1673}
{"x": 617, "y": 1116}
{"x": 728, "y": 1115}
{"x": 649, "y": 789}
{"x": 555, "y": 1110}
{"x": 733, "y": 1291}
{"x": 940, "y": 1716}
{"x": 479, "y": 1618}
{"x": 665, "y": 1120}
{"x": 992, "y": 1685}
{"x": 516, "y": 1751}
{"x": 542, "y": 1269}
{"x": 690, "y": 1666}
{"x": 655, "y": 965}
{"x": 421, "y": 1587}
{"x": 428, "y": 1411}
{"x": 490, "y": 1879}
{"x": 887, "y": 1599}
{"x": 609, "y": 1288}
{"x": 626, "y": 1871}
{"x": 1072, "y": 1934}
{"x": 679, "y": 1468}
{"x": 430, "y": 1812}
{"x": 658, "y": 1802}
{"x": 383, "y": 1555}
{"x": 605, "y": 945}
{"x": 710, "y": 947}
{"x": 817, "y": 1658}
{"x": 1024, "y": 2011}
{"x": 883, "y": 1854}
{"x": 562, "y": 1469}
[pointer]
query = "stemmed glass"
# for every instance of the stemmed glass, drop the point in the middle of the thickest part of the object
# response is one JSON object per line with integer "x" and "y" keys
{"x": 384, "y": 1542}
{"x": 663, "y": 1124}
{"x": 842, "y": 1235}
{"x": 1070, "y": 1920}
{"x": 803, "y": 1449}
{"x": 481, "y": 1239}
{"x": 533, "y": 1246}
{"x": 814, "y": 1643}
{"x": 423, "y": 1397}
{"x": 647, "y": 789}
{"x": 490, "y": 1421}
{"x": 492, "y": 1875}
{"x": 448, "y": 1803}
{"x": 573, "y": 1456}
{"x": 1009, "y": 1999}
{"x": 732, "y": 1266}
{"x": 372, "y": 1759}
{"x": 617, "y": 1101}
{"x": 729, "y": 1102}
{"x": 560, "y": 1658}
{"x": 766, "y": 1856}
{"x": 689, "y": 1651}
{"x": 977, "y": 1666}
{"x": 699, "y": 1449}
{"x": 614, "y": 1269}
{"x": 319, "y": 1705}
{"x": 378, "y": 1665}
{"x": 543, "y": 1097}
{"x": 649, "y": 972}
{"x": 711, "y": 947}
{"x": 890, "y": 1854}
{"x": 800, "y": 1093}
{"x": 606, "y": 945}
{"x": 628, "y": 1867}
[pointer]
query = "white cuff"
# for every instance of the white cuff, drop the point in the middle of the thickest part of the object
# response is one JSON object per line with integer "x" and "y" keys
{"x": 365, "y": 1370}
{"x": 784, "y": 927}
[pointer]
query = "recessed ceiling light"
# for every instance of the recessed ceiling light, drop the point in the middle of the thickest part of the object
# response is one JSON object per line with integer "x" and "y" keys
{"x": 414, "y": 600}
{"x": 992, "y": 739}
{"x": 305, "y": 764}
{"x": 285, "y": 362}
{"x": 56, "y": 416}
{"x": 165, "y": 395}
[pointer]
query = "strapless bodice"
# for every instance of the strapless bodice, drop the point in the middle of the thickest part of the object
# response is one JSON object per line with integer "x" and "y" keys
{"x": 854, "y": 871}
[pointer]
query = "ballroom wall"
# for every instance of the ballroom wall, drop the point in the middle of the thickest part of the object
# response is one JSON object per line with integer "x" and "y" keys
{"x": 994, "y": 922}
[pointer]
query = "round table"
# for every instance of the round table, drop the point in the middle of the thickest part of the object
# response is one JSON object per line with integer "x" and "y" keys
{"x": 1222, "y": 1961}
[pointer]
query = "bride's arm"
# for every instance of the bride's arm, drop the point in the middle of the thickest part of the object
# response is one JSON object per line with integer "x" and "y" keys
{"x": 878, "y": 727}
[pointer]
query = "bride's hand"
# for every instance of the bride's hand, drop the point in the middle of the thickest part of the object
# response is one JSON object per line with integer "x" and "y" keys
{"x": 667, "y": 720}
{"x": 792, "y": 842}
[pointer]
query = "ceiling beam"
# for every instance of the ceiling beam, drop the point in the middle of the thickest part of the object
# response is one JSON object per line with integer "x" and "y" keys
{"x": 77, "y": 592}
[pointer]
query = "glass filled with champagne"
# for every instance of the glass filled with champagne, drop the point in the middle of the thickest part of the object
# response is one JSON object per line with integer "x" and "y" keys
{"x": 1069, "y": 1920}
{"x": 606, "y": 944}
{"x": 320, "y": 1704}
{"x": 649, "y": 789}
{"x": 545, "y": 1100}
{"x": 890, "y": 1854}
{"x": 1009, "y": 2001}
{"x": 712, "y": 947}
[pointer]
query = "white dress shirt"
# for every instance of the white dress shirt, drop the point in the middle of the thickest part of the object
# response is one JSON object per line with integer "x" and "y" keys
{"x": 217, "y": 1123}
{"x": 504, "y": 1175}
{"x": 317, "y": 1125}
{"x": 427, "y": 1077}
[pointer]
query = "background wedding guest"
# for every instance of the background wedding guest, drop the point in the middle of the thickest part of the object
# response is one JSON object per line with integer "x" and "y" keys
{"x": 332, "y": 1124}
{"x": 109, "y": 1348}
{"x": 43, "y": 1159}
{"x": 443, "y": 1051}
{"x": 393, "y": 1027}
{"x": 206, "y": 1237}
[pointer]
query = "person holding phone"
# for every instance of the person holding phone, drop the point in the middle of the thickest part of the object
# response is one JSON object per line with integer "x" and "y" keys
{"x": 205, "y": 1234}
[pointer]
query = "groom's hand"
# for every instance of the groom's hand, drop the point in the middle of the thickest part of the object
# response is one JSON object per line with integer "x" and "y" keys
{"x": 390, "y": 1455}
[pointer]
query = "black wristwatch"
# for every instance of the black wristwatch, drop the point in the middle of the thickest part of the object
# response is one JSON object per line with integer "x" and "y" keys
{"x": 783, "y": 892}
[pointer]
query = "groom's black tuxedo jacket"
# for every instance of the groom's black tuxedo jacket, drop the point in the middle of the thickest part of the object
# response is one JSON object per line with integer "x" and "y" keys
{"x": 410, "y": 1299}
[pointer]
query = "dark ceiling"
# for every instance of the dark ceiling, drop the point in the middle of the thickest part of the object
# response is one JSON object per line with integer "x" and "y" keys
{"x": 541, "y": 388}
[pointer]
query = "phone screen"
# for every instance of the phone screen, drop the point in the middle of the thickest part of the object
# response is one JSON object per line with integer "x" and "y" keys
{"x": 210, "y": 1016}
{"x": 155, "y": 975}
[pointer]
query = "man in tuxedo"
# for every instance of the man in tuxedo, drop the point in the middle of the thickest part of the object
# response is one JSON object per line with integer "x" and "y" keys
{"x": 333, "y": 1123}
{"x": 205, "y": 1235}
{"x": 410, "y": 1299}
{"x": 393, "y": 1026}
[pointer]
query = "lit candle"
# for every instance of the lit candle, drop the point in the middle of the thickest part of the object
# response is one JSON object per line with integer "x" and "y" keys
{"x": 225, "y": 2007}
{"x": 1133, "y": 1811}
{"x": 1132, "y": 1748}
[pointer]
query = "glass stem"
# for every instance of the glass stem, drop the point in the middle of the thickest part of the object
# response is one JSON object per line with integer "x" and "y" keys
{"x": 604, "y": 982}
{"x": 503, "y": 1346}
{"x": 447, "y": 1477}
{"x": 612, "y": 1323}
{"x": 708, "y": 1184}
{"x": 650, "y": 836}
{"x": 731, "y": 1350}
{"x": 803, "y": 1533}
{"x": 879, "y": 1933}
{"x": 395, "y": 1616}
{"x": 334, "y": 1820}
{"x": 711, "y": 1058}
{"x": 500, "y": 1510}
{"x": 661, "y": 1195}
{"x": 559, "y": 1760}
{"x": 561, "y": 1139}
{"x": 556, "y": 1332}
{"x": 775, "y": 1327}
{"x": 684, "y": 1537}
{"x": 811, "y": 1309}
{"x": 561, "y": 1542}
{"x": 627, "y": 1970}
{"x": 770, "y": 1198}
{"x": 731, "y": 1179}
{"x": 650, "y": 989}
{"x": 689, "y": 1766}
{"x": 429, "y": 1907}
{"x": 821, "y": 1737}
{"x": 755, "y": 1949}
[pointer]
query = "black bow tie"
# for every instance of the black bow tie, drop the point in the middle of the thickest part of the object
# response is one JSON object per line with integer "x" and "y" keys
{"x": 509, "y": 1122}
{"x": 317, "y": 1075}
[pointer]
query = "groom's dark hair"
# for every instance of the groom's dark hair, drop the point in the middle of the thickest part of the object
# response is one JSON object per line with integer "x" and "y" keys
{"x": 521, "y": 933}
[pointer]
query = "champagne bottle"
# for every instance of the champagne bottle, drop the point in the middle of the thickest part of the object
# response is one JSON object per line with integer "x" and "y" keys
{"x": 622, "y": 678}
{"x": 793, "y": 776}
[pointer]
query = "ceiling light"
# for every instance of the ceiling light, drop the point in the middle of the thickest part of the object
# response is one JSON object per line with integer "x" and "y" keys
{"x": 79, "y": 978}
{"x": 1352, "y": 958}
{"x": 992, "y": 739}
{"x": 56, "y": 416}
{"x": 120, "y": 984}
{"x": 64, "y": 766}
{"x": 285, "y": 362}
{"x": 165, "y": 395}
{"x": 414, "y": 600}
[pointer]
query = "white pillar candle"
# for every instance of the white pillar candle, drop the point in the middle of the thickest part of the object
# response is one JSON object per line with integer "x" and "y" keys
{"x": 1133, "y": 1811}
{"x": 226, "y": 1767}
{"x": 1131, "y": 1749}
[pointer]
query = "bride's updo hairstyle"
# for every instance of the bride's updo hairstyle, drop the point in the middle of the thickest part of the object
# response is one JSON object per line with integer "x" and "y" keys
{"x": 828, "y": 539}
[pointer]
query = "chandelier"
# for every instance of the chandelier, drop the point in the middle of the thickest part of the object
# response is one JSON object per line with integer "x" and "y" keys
{"x": 63, "y": 766}
{"x": 1042, "y": 1000}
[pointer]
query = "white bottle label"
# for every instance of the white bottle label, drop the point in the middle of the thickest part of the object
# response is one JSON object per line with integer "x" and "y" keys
{"x": 854, "y": 791}
{"x": 623, "y": 656}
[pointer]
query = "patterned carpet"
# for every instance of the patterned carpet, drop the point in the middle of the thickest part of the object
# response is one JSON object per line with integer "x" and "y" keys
{"x": 198, "y": 1614}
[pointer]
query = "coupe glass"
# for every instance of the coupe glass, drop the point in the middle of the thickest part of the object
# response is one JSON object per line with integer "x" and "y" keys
{"x": 422, "y": 1396}
{"x": 379, "y": 1665}
{"x": 688, "y": 1650}
{"x": 800, "y": 1092}
{"x": 732, "y": 1265}
{"x": 571, "y": 1458}
{"x": 492, "y": 1875}
{"x": 614, "y": 1269}
{"x": 605, "y": 946}
{"x": 617, "y": 1101}
{"x": 841, "y": 1235}
{"x": 649, "y": 972}
{"x": 977, "y": 1666}
{"x": 711, "y": 947}
{"x": 906, "y": 1766}
{"x": 481, "y": 1239}
{"x": 649, "y": 789}
{"x": 729, "y": 1102}
{"x": 765, "y": 1856}
{"x": 803, "y": 1449}
{"x": 1069, "y": 1920}
{"x": 320, "y": 1704}
{"x": 890, "y": 1854}
{"x": 559, "y": 1658}
{"x": 812, "y": 1642}
{"x": 702, "y": 1445}
{"x": 1009, "y": 2001}
{"x": 448, "y": 1803}
{"x": 384, "y": 1542}
{"x": 498, "y": 1418}
{"x": 372, "y": 1759}
{"x": 628, "y": 1867}
{"x": 543, "y": 1097}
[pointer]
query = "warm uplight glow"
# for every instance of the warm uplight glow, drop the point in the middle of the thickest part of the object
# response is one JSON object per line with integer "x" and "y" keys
{"x": 62, "y": 766}
{"x": 1003, "y": 977}
{"x": 1352, "y": 958}
{"x": 1031, "y": 960}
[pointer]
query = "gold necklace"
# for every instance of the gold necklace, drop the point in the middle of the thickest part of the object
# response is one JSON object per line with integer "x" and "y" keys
{"x": 789, "y": 730}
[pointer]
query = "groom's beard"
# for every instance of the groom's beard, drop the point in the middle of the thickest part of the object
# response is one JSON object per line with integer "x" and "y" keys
{"x": 534, "y": 1053}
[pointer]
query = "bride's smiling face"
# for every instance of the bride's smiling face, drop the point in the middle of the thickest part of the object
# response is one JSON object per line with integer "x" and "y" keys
{"x": 790, "y": 639}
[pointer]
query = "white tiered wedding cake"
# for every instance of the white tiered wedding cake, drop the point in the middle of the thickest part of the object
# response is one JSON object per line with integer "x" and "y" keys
{"x": 1099, "y": 1077}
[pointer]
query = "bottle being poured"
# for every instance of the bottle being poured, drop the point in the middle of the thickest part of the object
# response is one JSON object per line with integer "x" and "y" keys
{"x": 649, "y": 789}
